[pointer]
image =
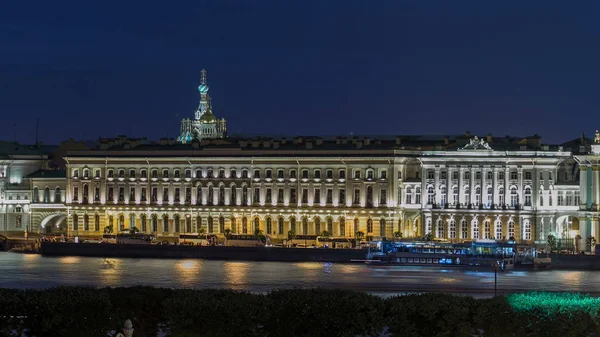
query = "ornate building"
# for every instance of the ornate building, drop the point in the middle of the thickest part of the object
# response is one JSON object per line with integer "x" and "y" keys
{"x": 454, "y": 188}
{"x": 205, "y": 124}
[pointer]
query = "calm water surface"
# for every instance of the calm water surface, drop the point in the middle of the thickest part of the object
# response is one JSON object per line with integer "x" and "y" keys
{"x": 35, "y": 271}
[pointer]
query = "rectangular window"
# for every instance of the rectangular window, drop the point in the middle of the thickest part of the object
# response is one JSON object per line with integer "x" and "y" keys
{"x": 430, "y": 174}
{"x": 75, "y": 193}
{"x": 560, "y": 201}
{"x": 527, "y": 175}
{"x": 569, "y": 200}
{"x": 165, "y": 173}
{"x": 97, "y": 194}
{"x": 329, "y": 174}
{"x": 357, "y": 174}
{"x": 268, "y": 174}
{"x": 304, "y": 195}
{"x": 209, "y": 173}
{"x": 304, "y": 174}
{"x": 293, "y": 198}
{"x": 269, "y": 198}
{"x": 317, "y": 196}
{"x": 110, "y": 194}
{"x": 166, "y": 194}
{"x": 467, "y": 175}
{"x": 188, "y": 194}
{"x": 132, "y": 194}
{"x": 154, "y": 174}
{"x": 292, "y": 174}
{"x": 356, "y": 197}
{"x": 256, "y": 195}
{"x": 383, "y": 175}
{"x": 121, "y": 193}
{"x": 455, "y": 175}
{"x": 280, "y": 174}
{"x": 97, "y": 174}
{"x": 342, "y": 174}
{"x": 443, "y": 175}
{"x": 501, "y": 175}
{"x": 317, "y": 174}
{"x": 513, "y": 175}
{"x": 383, "y": 197}
{"x": 342, "y": 196}
{"x": 489, "y": 175}
{"x": 143, "y": 194}
{"x": 177, "y": 194}
{"x": 329, "y": 196}
{"x": 280, "y": 196}
{"x": 131, "y": 173}
{"x": 478, "y": 175}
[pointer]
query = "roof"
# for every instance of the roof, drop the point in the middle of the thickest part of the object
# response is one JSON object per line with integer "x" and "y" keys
{"x": 48, "y": 174}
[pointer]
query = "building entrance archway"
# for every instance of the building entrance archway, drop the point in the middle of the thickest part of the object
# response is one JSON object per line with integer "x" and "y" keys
{"x": 55, "y": 224}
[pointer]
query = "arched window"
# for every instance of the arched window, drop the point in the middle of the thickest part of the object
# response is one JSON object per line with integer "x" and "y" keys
{"x": 233, "y": 198}
{"x": 317, "y": 226}
{"x": 369, "y": 196}
{"x": 452, "y": 229}
{"x": 86, "y": 222}
{"x": 418, "y": 195}
{"x": 369, "y": 225}
{"x": 511, "y": 230}
{"x": 269, "y": 226}
{"x": 256, "y": 227}
{"x": 467, "y": 195}
{"x": 47, "y": 194}
{"x": 293, "y": 224}
{"x": 177, "y": 221}
{"x": 498, "y": 230}
{"x": 443, "y": 196}
{"x": 455, "y": 194}
{"x": 75, "y": 222}
{"x": 97, "y": 223}
{"x": 475, "y": 226}
{"x": 36, "y": 194}
{"x": 526, "y": 230}
{"x": 188, "y": 223}
{"x": 211, "y": 225}
{"x": 501, "y": 196}
{"x": 154, "y": 223}
{"x": 245, "y": 196}
{"x": 305, "y": 225}
{"x": 221, "y": 224}
{"x": 234, "y": 228}
{"x": 541, "y": 197}
{"x": 356, "y": 226}
{"x": 428, "y": 229}
{"x": 330, "y": 225}
{"x": 143, "y": 223}
{"x": 514, "y": 197}
{"x": 382, "y": 225}
{"x": 342, "y": 227}
{"x": 132, "y": 221}
{"x": 198, "y": 173}
{"x": 408, "y": 195}
{"x": 244, "y": 225}
{"x": 463, "y": 229}
{"x": 527, "y": 196}
{"x": 487, "y": 229}
{"x": 478, "y": 195}
{"x": 490, "y": 196}
{"x": 121, "y": 222}
{"x": 222, "y": 195}
{"x": 440, "y": 229}
{"x": 210, "y": 196}
{"x": 280, "y": 229}
{"x": 430, "y": 195}
{"x": 165, "y": 223}
{"x": 84, "y": 196}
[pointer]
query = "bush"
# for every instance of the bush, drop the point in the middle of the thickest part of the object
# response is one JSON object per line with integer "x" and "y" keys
{"x": 319, "y": 312}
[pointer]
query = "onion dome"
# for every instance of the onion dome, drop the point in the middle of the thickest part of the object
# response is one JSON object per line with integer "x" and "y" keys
{"x": 203, "y": 88}
{"x": 208, "y": 118}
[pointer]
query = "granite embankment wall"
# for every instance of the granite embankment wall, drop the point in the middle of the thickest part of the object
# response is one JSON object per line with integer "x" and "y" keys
{"x": 575, "y": 262}
{"x": 208, "y": 253}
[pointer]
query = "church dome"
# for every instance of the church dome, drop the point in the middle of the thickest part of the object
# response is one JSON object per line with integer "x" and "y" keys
{"x": 208, "y": 118}
{"x": 203, "y": 88}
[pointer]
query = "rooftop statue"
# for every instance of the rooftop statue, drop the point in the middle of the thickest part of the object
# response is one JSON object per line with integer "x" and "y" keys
{"x": 477, "y": 144}
{"x": 597, "y": 137}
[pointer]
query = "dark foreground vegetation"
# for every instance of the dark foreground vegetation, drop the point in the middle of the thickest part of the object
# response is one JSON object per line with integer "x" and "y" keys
{"x": 154, "y": 312}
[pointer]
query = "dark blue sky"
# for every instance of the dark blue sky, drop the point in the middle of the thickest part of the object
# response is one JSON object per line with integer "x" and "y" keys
{"x": 90, "y": 69}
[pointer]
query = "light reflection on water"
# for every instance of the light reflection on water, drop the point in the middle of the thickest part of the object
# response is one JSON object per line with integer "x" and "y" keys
{"x": 33, "y": 271}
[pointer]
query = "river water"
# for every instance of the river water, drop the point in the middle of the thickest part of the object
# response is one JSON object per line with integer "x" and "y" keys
{"x": 35, "y": 271}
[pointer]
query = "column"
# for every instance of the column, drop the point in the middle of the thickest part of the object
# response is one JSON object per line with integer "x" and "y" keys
{"x": 506, "y": 186}
{"x": 461, "y": 194}
{"x": 472, "y": 184}
{"x": 423, "y": 187}
{"x": 494, "y": 185}
{"x": 436, "y": 185}
{"x": 583, "y": 187}
{"x": 449, "y": 194}
{"x": 520, "y": 184}
{"x": 483, "y": 186}
{"x": 596, "y": 189}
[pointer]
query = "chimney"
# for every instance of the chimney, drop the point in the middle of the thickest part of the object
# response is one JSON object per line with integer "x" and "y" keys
{"x": 359, "y": 145}
{"x": 319, "y": 141}
{"x": 468, "y": 134}
{"x": 164, "y": 141}
{"x": 309, "y": 144}
{"x": 489, "y": 138}
{"x": 398, "y": 140}
{"x": 367, "y": 141}
{"x": 275, "y": 144}
{"x": 446, "y": 140}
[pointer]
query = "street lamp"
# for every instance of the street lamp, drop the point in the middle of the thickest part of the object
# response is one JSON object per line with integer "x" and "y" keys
{"x": 496, "y": 266}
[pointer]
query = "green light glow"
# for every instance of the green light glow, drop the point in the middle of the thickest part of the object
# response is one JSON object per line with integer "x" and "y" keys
{"x": 554, "y": 302}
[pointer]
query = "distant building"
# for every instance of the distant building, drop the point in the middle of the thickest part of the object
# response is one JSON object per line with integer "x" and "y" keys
{"x": 205, "y": 124}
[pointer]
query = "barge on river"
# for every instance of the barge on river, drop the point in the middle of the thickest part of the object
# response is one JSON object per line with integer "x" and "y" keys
{"x": 475, "y": 253}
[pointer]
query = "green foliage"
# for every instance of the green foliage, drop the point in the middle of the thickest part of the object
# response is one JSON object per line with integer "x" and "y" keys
{"x": 108, "y": 230}
{"x": 325, "y": 234}
{"x": 133, "y": 230}
{"x": 291, "y": 235}
{"x": 428, "y": 237}
{"x": 590, "y": 243}
{"x": 397, "y": 235}
{"x": 312, "y": 312}
{"x": 551, "y": 240}
{"x": 227, "y": 233}
{"x": 359, "y": 235}
{"x": 319, "y": 312}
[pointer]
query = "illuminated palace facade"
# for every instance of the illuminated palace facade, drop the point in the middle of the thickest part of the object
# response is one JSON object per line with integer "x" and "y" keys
{"x": 456, "y": 188}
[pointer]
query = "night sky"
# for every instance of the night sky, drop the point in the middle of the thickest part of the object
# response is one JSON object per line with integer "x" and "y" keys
{"x": 88, "y": 69}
